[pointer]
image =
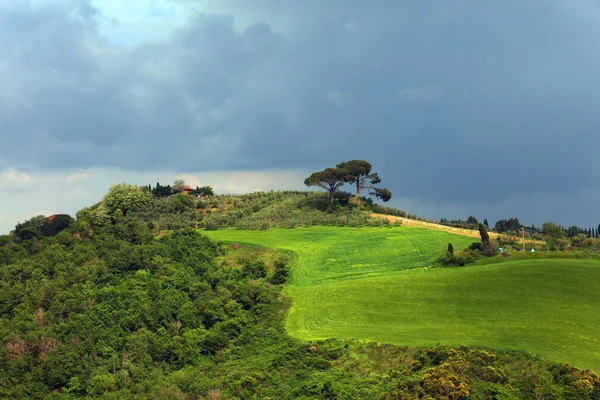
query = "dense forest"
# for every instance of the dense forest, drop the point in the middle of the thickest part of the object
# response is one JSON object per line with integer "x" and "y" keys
{"x": 104, "y": 308}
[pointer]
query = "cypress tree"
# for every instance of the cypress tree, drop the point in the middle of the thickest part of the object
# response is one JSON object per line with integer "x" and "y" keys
{"x": 485, "y": 237}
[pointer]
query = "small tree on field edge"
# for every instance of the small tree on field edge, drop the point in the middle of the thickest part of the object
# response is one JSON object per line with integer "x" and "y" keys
{"x": 485, "y": 237}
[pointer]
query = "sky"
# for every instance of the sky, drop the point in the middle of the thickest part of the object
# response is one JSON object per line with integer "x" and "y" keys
{"x": 463, "y": 108}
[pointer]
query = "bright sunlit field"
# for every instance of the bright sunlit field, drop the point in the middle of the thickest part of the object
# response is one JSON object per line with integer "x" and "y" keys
{"x": 373, "y": 284}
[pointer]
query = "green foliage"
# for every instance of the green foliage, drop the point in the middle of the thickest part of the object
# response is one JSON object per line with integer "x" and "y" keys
{"x": 556, "y": 238}
{"x": 472, "y": 220}
{"x": 123, "y": 198}
{"x": 470, "y": 223}
{"x": 281, "y": 273}
{"x": 255, "y": 269}
{"x": 92, "y": 217}
{"x": 389, "y": 211}
{"x": 41, "y": 226}
{"x": 4, "y": 240}
{"x": 118, "y": 314}
{"x": 581, "y": 240}
{"x": 359, "y": 173}
{"x": 181, "y": 203}
{"x": 178, "y": 184}
{"x": 483, "y": 233}
{"x": 162, "y": 191}
{"x": 330, "y": 179}
{"x": 30, "y": 229}
{"x": 491, "y": 248}
{"x": 458, "y": 259}
{"x": 206, "y": 191}
{"x": 382, "y": 194}
{"x": 508, "y": 225}
{"x": 57, "y": 224}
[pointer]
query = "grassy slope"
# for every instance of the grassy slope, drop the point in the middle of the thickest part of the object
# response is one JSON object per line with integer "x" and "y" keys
{"x": 355, "y": 283}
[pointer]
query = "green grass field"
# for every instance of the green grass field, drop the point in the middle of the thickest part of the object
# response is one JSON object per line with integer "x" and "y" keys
{"x": 369, "y": 284}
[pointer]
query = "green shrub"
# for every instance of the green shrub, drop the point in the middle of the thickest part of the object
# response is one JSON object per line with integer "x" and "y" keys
{"x": 255, "y": 269}
{"x": 458, "y": 259}
{"x": 281, "y": 272}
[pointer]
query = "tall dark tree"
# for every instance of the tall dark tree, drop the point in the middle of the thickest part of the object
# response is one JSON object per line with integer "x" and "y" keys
{"x": 359, "y": 174}
{"x": 330, "y": 179}
{"x": 485, "y": 222}
{"x": 162, "y": 191}
{"x": 485, "y": 237}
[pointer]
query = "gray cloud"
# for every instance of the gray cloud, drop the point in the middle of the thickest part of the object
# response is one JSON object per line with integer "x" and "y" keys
{"x": 468, "y": 102}
{"x": 421, "y": 93}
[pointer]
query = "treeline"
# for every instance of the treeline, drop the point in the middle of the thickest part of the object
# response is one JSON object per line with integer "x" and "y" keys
{"x": 178, "y": 187}
{"x": 512, "y": 227}
{"x": 573, "y": 231}
{"x": 469, "y": 223}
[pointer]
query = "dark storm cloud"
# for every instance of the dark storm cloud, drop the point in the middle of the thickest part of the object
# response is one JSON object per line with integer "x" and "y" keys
{"x": 471, "y": 100}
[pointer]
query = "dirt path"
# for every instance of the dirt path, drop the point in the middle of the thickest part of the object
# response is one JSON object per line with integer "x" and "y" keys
{"x": 431, "y": 225}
